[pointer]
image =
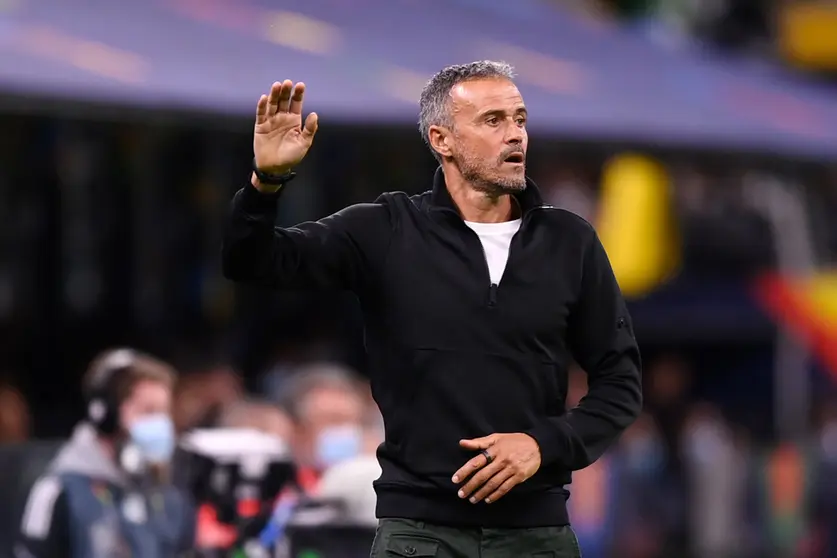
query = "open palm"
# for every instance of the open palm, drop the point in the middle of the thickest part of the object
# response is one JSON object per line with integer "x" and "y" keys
{"x": 280, "y": 141}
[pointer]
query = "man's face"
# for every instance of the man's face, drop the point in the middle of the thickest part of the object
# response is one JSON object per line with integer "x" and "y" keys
{"x": 147, "y": 398}
{"x": 488, "y": 141}
{"x": 271, "y": 421}
{"x": 325, "y": 409}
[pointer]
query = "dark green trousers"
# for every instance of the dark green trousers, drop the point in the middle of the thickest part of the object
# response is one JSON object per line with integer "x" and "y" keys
{"x": 406, "y": 538}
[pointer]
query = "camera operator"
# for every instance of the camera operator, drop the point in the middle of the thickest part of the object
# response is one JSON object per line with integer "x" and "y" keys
{"x": 107, "y": 492}
{"x": 245, "y": 414}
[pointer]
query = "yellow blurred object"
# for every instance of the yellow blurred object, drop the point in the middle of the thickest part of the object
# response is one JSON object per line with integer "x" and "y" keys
{"x": 807, "y": 33}
{"x": 821, "y": 290}
{"x": 636, "y": 225}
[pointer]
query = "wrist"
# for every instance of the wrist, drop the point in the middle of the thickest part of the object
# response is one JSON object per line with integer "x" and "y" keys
{"x": 263, "y": 188}
{"x": 271, "y": 181}
{"x": 534, "y": 440}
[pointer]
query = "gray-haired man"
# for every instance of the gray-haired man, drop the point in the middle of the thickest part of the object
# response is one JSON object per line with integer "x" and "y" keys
{"x": 476, "y": 297}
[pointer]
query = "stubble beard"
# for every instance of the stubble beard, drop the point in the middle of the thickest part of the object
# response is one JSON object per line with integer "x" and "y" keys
{"x": 492, "y": 184}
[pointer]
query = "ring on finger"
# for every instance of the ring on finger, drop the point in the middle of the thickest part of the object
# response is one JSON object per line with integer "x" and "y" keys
{"x": 488, "y": 458}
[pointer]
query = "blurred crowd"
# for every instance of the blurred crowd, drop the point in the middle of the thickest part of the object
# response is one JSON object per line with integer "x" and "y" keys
{"x": 734, "y": 25}
{"x": 684, "y": 472}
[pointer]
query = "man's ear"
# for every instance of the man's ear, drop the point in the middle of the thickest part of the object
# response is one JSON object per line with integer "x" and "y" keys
{"x": 439, "y": 138}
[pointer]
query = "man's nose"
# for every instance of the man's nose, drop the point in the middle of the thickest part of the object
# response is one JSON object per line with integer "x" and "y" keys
{"x": 514, "y": 134}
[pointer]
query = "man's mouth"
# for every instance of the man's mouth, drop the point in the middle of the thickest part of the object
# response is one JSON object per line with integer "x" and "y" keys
{"x": 515, "y": 159}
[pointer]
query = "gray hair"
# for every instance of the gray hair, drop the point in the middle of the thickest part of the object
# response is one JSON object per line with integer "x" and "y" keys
{"x": 433, "y": 103}
{"x": 312, "y": 377}
{"x": 244, "y": 412}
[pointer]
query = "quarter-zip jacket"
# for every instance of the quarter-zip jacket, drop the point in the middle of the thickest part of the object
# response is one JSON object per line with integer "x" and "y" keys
{"x": 453, "y": 356}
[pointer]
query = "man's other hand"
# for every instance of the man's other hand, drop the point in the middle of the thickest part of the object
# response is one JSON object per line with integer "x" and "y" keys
{"x": 504, "y": 461}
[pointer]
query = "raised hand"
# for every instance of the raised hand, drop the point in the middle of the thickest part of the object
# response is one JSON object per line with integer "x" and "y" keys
{"x": 280, "y": 141}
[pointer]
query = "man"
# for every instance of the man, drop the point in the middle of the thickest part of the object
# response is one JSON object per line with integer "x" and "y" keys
{"x": 351, "y": 480}
{"x": 328, "y": 408}
{"x": 476, "y": 298}
{"x": 258, "y": 415}
{"x": 107, "y": 493}
{"x": 14, "y": 416}
{"x": 201, "y": 395}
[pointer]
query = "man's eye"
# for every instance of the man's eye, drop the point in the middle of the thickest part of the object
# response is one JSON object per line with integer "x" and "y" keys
{"x": 492, "y": 120}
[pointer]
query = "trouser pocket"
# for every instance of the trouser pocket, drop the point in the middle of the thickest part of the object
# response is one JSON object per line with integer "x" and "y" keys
{"x": 406, "y": 538}
{"x": 537, "y": 542}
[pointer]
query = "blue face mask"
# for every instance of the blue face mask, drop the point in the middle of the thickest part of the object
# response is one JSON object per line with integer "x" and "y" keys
{"x": 337, "y": 444}
{"x": 154, "y": 436}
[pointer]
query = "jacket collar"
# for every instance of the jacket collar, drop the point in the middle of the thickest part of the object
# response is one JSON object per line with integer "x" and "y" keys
{"x": 83, "y": 455}
{"x": 440, "y": 198}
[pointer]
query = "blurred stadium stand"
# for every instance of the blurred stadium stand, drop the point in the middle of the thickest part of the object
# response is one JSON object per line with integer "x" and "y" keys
{"x": 711, "y": 174}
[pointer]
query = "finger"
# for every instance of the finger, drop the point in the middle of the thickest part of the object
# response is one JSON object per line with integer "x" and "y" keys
{"x": 479, "y": 443}
{"x": 492, "y": 485}
{"x": 478, "y": 480}
{"x": 296, "y": 99}
{"x": 273, "y": 98}
{"x": 472, "y": 466}
{"x": 285, "y": 95}
{"x": 504, "y": 488}
{"x": 312, "y": 123}
{"x": 261, "y": 110}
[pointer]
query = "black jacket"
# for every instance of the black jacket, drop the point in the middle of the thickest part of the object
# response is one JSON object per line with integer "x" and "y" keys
{"x": 451, "y": 356}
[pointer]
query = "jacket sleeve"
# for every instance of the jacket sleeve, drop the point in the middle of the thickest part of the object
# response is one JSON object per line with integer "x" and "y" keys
{"x": 337, "y": 253}
{"x": 44, "y": 528}
{"x": 601, "y": 339}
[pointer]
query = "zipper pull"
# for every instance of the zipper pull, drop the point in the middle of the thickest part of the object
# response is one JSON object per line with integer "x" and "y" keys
{"x": 492, "y": 295}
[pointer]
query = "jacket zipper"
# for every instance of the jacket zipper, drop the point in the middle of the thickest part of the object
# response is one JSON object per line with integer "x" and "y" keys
{"x": 494, "y": 287}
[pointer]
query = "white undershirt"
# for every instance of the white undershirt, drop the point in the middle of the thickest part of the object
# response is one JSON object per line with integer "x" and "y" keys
{"x": 496, "y": 239}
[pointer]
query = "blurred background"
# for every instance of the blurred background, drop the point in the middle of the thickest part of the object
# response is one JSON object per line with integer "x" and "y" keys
{"x": 699, "y": 137}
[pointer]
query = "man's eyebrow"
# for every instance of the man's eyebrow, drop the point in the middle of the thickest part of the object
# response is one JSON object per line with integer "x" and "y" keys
{"x": 501, "y": 112}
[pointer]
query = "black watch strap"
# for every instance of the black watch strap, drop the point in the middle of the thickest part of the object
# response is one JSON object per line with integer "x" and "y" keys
{"x": 272, "y": 179}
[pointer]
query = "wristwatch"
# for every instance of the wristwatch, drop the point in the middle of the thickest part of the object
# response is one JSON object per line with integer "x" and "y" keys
{"x": 272, "y": 179}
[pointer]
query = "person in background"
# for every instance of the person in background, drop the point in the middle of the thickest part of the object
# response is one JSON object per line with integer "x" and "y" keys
{"x": 350, "y": 481}
{"x": 825, "y": 513}
{"x": 14, "y": 416}
{"x": 201, "y": 396}
{"x": 592, "y": 488}
{"x": 670, "y": 381}
{"x": 716, "y": 475}
{"x": 337, "y": 437}
{"x": 621, "y": 503}
{"x": 258, "y": 415}
{"x": 328, "y": 408}
{"x": 645, "y": 498}
{"x": 254, "y": 414}
{"x": 107, "y": 492}
{"x": 785, "y": 484}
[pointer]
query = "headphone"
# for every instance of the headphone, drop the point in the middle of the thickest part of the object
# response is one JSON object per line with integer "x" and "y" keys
{"x": 101, "y": 397}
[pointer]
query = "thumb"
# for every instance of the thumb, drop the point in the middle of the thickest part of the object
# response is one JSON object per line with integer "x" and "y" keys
{"x": 311, "y": 125}
{"x": 478, "y": 443}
